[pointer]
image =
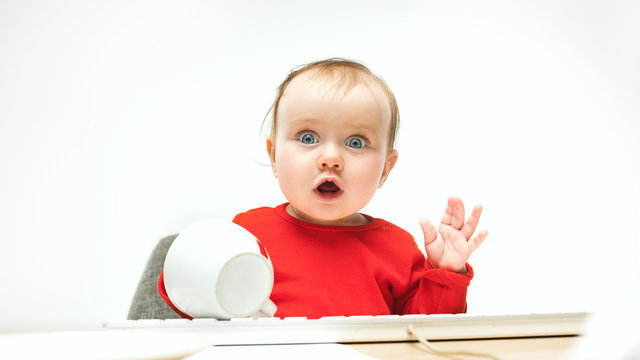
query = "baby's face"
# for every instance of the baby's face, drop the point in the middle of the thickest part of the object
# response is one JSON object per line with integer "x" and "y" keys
{"x": 330, "y": 153}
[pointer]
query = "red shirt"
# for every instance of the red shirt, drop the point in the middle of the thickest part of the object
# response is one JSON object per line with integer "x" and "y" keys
{"x": 372, "y": 269}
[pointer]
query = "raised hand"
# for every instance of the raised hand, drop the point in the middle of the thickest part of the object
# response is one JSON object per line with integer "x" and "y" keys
{"x": 451, "y": 245}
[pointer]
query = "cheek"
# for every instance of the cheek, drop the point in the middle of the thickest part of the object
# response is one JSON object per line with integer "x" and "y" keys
{"x": 289, "y": 165}
{"x": 369, "y": 172}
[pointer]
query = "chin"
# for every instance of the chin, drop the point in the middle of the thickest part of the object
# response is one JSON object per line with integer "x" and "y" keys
{"x": 317, "y": 213}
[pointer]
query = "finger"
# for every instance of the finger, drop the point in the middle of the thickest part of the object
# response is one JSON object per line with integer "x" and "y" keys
{"x": 429, "y": 231}
{"x": 477, "y": 240}
{"x": 433, "y": 242}
{"x": 472, "y": 223}
{"x": 435, "y": 251}
{"x": 457, "y": 220}
{"x": 448, "y": 213}
{"x": 452, "y": 212}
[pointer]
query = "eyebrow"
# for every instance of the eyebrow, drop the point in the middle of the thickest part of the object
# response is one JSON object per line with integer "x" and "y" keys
{"x": 351, "y": 125}
{"x": 305, "y": 121}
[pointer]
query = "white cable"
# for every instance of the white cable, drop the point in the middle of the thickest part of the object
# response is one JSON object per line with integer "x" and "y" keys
{"x": 446, "y": 354}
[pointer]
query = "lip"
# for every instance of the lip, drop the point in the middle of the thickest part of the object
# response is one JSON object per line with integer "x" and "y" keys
{"x": 328, "y": 196}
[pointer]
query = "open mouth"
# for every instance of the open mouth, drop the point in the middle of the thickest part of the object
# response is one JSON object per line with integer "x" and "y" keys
{"x": 328, "y": 190}
{"x": 328, "y": 187}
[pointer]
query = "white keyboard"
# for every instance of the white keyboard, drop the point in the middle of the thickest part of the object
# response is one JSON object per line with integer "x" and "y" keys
{"x": 366, "y": 328}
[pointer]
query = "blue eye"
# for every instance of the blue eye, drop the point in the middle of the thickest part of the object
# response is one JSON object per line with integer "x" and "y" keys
{"x": 356, "y": 143}
{"x": 307, "y": 139}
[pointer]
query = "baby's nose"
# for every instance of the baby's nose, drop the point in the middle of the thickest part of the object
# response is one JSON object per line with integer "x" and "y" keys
{"x": 330, "y": 159}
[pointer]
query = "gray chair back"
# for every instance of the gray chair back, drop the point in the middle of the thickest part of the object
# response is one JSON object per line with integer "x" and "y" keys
{"x": 147, "y": 303}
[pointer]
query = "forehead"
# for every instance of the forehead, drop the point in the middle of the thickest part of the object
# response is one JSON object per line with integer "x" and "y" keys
{"x": 310, "y": 91}
{"x": 336, "y": 82}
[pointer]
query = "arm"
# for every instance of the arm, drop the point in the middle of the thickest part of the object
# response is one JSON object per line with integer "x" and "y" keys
{"x": 433, "y": 291}
{"x": 439, "y": 283}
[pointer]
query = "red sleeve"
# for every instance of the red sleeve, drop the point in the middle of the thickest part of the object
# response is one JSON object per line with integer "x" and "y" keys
{"x": 236, "y": 220}
{"x": 163, "y": 293}
{"x": 434, "y": 291}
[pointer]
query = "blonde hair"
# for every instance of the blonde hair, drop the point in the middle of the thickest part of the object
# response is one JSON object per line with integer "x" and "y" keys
{"x": 348, "y": 74}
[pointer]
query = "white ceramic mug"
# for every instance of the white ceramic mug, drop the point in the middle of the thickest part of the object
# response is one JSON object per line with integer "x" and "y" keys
{"x": 214, "y": 269}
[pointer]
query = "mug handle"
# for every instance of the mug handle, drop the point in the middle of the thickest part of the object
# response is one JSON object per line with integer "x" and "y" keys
{"x": 268, "y": 309}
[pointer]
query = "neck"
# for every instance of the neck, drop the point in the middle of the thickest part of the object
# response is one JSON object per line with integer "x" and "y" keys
{"x": 351, "y": 220}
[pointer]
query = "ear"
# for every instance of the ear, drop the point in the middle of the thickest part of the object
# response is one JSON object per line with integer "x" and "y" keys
{"x": 271, "y": 150}
{"x": 389, "y": 163}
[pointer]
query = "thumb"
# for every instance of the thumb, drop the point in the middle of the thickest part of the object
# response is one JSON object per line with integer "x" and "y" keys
{"x": 429, "y": 231}
{"x": 433, "y": 243}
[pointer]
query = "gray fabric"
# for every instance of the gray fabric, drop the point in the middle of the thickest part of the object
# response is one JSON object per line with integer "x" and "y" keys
{"x": 147, "y": 303}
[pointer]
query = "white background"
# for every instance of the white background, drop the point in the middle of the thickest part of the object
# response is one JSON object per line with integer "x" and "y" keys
{"x": 124, "y": 121}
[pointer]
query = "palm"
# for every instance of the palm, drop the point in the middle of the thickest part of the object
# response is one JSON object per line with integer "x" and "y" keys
{"x": 451, "y": 245}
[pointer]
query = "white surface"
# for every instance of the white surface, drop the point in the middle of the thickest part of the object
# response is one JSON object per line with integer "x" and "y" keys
{"x": 124, "y": 121}
{"x": 100, "y": 345}
{"x": 303, "y": 351}
{"x": 612, "y": 333}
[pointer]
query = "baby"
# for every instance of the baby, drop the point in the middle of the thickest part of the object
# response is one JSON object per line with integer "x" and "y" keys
{"x": 331, "y": 147}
